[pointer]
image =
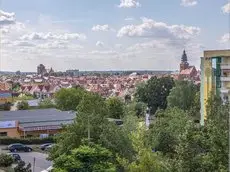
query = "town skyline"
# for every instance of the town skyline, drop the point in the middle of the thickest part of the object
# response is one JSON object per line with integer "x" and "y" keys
{"x": 135, "y": 35}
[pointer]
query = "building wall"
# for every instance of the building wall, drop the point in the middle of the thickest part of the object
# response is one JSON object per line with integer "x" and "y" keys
{"x": 208, "y": 84}
{"x": 11, "y": 132}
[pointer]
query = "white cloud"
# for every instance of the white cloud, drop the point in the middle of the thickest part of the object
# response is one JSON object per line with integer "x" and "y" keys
{"x": 129, "y": 4}
{"x": 100, "y": 44}
{"x": 59, "y": 45}
{"x": 24, "y": 44}
{"x": 147, "y": 45}
{"x": 104, "y": 28}
{"x": 129, "y": 19}
{"x": 47, "y": 36}
{"x": 118, "y": 46}
{"x": 151, "y": 28}
{"x": 110, "y": 52}
{"x": 225, "y": 38}
{"x": 6, "y": 18}
{"x": 188, "y": 3}
{"x": 226, "y": 8}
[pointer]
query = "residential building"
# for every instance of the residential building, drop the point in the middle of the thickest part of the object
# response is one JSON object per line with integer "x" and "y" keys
{"x": 215, "y": 78}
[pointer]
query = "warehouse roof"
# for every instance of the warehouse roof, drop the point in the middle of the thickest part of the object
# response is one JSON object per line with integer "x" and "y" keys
{"x": 38, "y": 115}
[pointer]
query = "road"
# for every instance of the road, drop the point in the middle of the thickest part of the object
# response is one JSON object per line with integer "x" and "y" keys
{"x": 40, "y": 160}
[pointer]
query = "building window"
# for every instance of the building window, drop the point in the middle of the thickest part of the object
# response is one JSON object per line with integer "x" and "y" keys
{"x": 3, "y": 133}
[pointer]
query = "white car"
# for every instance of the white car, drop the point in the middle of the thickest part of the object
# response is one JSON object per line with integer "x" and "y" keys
{"x": 48, "y": 169}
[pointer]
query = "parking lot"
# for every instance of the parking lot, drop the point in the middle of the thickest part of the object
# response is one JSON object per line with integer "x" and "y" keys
{"x": 40, "y": 159}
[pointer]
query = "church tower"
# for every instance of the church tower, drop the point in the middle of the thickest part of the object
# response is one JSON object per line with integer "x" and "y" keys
{"x": 184, "y": 62}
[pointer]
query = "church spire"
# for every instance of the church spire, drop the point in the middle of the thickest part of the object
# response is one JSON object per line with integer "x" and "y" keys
{"x": 184, "y": 57}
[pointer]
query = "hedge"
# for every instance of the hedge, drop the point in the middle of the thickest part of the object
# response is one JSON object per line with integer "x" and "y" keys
{"x": 28, "y": 141}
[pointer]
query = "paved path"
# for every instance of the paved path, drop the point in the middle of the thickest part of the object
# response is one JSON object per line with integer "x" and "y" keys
{"x": 40, "y": 160}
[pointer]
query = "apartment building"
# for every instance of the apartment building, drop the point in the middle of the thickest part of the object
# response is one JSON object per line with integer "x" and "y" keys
{"x": 215, "y": 77}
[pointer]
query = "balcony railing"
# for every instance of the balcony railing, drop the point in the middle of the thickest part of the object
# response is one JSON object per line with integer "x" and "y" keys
{"x": 224, "y": 90}
{"x": 225, "y": 78}
{"x": 225, "y": 66}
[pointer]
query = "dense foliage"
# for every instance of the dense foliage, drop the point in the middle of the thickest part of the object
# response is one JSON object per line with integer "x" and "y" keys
{"x": 154, "y": 93}
{"x": 173, "y": 142}
{"x": 115, "y": 107}
{"x": 22, "y": 105}
{"x": 22, "y": 167}
{"x": 86, "y": 158}
{"x": 46, "y": 103}
{"x": 68, "y": 99}
{"x": 5, "y": 160}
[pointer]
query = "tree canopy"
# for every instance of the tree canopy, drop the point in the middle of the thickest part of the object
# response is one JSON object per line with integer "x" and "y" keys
{"x": 183, "y": 95}
{"x": 115, "y": 107}
{"x": 154, "y": 93}
{"x": 86, "y": 158}
{"x": 68, "y": 98}
{"x": 173, "y": 142}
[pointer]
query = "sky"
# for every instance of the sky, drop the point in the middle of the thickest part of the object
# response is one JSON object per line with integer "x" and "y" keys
{"x": 110, "y": 34}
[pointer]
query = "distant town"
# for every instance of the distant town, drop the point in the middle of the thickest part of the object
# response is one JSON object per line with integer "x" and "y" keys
{"x": 46, "y": 82}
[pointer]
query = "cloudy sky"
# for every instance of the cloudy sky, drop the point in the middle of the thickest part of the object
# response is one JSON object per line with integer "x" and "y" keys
{"x": 109, "y": 34}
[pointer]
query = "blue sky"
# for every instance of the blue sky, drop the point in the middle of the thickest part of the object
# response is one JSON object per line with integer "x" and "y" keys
{"x": 110, "y": 34}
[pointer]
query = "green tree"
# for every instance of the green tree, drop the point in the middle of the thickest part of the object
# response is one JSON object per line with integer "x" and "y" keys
{"x": 23, "y": 105}
{"x": 118, "y": 139}
{"x": 91, "y": 116}
{"x": 86, "y": 158}
{"x": 46, "y": 103}
{"x": 115, "y": 107}
{"x": 137, "y": 108}
{"x": 5, "y": 160}
{"x": 183, "y": 95}
{"x": 145, "y": 160}
{"x": 69, "y": 99}
{"x": 154, "y": 93}
{"x": 168, "y": 126}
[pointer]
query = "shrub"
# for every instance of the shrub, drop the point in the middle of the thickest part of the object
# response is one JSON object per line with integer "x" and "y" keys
{"x": 9, "y": 140}
{"x": 23, "y": 105}
{"x": 5, "y": 160}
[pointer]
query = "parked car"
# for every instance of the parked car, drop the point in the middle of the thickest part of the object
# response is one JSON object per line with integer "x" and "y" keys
{"x": 49, "y": 147}
{"x": 43, "y": 147}
{"x": 15, "y": 156}
{"x": 19, "y": 147}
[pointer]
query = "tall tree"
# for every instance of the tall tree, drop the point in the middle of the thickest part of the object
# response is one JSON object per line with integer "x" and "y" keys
{"x": 154, "y": 93}
{"x": 115, "y": 107}
{"x": 86, "y": 158}
{"x": 68, "y": 99}
{"x": 91, "y": 116}
{"x": 183, "y": 95}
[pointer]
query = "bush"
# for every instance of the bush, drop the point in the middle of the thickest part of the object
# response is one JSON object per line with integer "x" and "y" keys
{"x": 28, "y": 141}
{"x": 5, "y": 160}
{"x": 23, "y": 105}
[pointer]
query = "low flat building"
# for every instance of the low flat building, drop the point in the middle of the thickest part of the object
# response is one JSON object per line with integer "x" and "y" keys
{"x": 34, "y": 123}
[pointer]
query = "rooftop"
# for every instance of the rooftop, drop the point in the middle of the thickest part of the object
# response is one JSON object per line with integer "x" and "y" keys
{"x": 35, "y": 116}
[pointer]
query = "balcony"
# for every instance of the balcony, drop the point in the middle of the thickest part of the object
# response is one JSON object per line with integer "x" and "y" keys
{"x": 224, "y": 90}
{"x": 225, "y": 78}
{"x": 225, "y": 66}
